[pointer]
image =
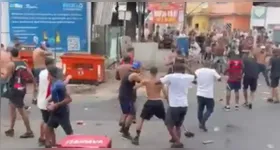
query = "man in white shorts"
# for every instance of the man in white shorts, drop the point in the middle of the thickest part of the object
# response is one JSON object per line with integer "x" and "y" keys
{"x": 205, "y": 79}
{"x": 178, "y": 84}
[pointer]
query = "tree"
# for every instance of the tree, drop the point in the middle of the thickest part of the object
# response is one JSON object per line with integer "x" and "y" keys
{"x": 131, "y": 25}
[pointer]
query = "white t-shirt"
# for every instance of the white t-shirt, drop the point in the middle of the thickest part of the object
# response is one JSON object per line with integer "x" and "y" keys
{"x": 42, "y": 90}
{"x": 205, "y": 82}
{"x": 178, "y": 85}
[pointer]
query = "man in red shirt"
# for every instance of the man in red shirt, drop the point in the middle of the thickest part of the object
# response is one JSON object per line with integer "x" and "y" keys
{"x": 234, "y": 72}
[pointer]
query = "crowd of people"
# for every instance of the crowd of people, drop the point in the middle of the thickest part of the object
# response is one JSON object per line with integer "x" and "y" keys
{"x": 243, "y": 57}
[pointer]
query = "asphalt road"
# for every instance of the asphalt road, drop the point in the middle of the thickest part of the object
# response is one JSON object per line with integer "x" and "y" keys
{"x": 256, "y": 129}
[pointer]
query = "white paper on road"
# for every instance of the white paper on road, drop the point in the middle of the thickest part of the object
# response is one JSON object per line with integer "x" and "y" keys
{"x": 216, "y": 129}
{"x": 271, "y": 146}
{"x": 85, "y": 108}
{"x": 266, "y": 92}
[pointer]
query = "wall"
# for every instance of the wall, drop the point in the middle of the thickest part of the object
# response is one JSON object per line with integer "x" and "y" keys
{"x": 238, "y": 22}
{"x": 221, "y": 8}
{"x": 203, "y": 22}
{"x": 271, "y": 16}
{"x": 197, "y": 7}
{"x": 225, "y": 8}
{"x": 150, "y": 55}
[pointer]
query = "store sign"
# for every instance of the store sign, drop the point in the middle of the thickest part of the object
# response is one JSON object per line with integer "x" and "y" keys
{"x": 63, "y": 25}
{"x": 165, "y": 16}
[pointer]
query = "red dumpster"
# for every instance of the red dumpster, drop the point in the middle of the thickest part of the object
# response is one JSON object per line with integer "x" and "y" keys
{"x": 84, "y": 67}
{"x": 27, "y": 56}
{"x": 85, "y": 141}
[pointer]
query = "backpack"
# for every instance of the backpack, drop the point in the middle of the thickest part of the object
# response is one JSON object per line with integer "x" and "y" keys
{"x": 20, "y": 78}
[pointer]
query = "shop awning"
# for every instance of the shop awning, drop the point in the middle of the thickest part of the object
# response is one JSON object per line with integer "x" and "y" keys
{"x": 267, "y": 4}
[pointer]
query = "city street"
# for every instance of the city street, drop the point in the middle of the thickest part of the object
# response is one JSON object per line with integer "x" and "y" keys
{"x": 235, "y": 130}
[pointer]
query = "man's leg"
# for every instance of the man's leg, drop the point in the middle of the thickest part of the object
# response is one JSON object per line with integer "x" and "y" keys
{"x": 146, "y": 114}
{"x": 29, "y": 133}
{"x": 50, "y": 134}
{"x": 170, "y": 124}
{"x": 264, "y": 72}
{"x": 130, "y": 111}
{"x": 65, "y": 123}
{"x": 274, "y": 85}
{"x": 237, "y": 87}
{"x": 209, "y": 110}
{"x": 228, "y": 95}
{"x": 253, "y": 88}
{"x": 43, "y": 126}
{"x": 180, "y": 113}
{"x": 200, "y": 110}
{"x": 245, "y": 90}
{"x": 13, "y": 117}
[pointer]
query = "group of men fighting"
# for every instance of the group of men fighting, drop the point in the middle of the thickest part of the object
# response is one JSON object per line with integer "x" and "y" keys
{"x": 242, "y": 72}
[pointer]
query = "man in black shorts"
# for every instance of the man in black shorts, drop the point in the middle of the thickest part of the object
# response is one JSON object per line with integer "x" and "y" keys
{"x": 250, "y": 78}
{"x": 16, "y": 92}
{"x": 58, "y": 107}
{"x": 275, "y": 75}
{"x": 127, "y": 97}
{"x": 178, "y": 84}
{"x": 154, "y": 104}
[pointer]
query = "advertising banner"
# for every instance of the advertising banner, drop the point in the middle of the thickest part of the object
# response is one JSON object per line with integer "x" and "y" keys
{"x": 165, "y": 16}
{"x": 62, "y": 25}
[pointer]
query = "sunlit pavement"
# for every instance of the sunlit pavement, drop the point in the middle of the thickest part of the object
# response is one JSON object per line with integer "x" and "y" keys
{"x": 256, "y": 129}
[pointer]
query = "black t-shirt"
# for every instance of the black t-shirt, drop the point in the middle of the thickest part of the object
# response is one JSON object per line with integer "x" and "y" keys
{"x": 126, "y": 89}
{"x": 250, "y": 67}
{"x": 275, "y": 67}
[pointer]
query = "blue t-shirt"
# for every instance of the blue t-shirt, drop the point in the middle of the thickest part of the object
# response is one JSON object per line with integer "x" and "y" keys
{"x": 58, "y": 91}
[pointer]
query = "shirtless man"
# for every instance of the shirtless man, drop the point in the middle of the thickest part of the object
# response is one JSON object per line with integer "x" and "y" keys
{"x": 261, "y": 54}
{"x": 154, "y": 104}
{"x": 247, "y": 44}
{"x": 39, "y": 57}
{"x": 5, "y": 58}
{"x": 219, "y": 50}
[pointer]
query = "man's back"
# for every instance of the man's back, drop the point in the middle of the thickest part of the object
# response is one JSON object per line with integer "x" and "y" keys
{"x": 205, "y": 82}
{"x": 123, "y": 70}
{"x": 251, "y": 68}
{"x": 153, "y": 90}
{"x": 43, "y": 89}
{"x": 39, "y": 58}
{"x": 178, "y": 85}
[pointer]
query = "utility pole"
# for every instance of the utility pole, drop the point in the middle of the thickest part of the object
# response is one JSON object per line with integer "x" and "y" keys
{"x": 185, "y": 16}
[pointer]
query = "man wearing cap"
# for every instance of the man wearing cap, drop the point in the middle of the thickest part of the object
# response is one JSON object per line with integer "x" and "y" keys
{"x": 261, "y": 54}
{"x": 127, "y": 96}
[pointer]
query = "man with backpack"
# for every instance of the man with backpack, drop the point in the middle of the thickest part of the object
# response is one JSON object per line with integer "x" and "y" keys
{"x": 17, "y": 74}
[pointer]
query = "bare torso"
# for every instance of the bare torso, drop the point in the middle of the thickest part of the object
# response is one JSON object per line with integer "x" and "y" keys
{"x": 153, "y": 90}
{"x": 260, "y": 56}
{"x": 39, "y": 58}
{"x": 5, "y": 58}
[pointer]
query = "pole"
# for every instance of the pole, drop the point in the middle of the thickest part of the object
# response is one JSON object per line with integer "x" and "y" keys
{"x": 124, "y": 24}
{"x": 185, "y": 16}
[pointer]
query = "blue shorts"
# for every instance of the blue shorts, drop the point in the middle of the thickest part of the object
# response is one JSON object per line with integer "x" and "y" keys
{"x": 127, "y": 106}
{"x": 236, "y": 86}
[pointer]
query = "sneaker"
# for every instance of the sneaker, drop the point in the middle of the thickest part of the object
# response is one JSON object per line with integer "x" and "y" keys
{"x": 27, "y": 135}
{"x": 270, "y": 100}
{"x": 276, "y": 101}
{"x": 245, "y": 104}
{"x": 236, "y": 107}
{"x": 10, "y": 132}
{"x": 250, "y": 106}
{"x": 127, "y": 135}
{"x": 177, "y": 145}
{"x": 203, "y": 127}
{"x": 227, "y": 108}
{"x": 135, "y": 141}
